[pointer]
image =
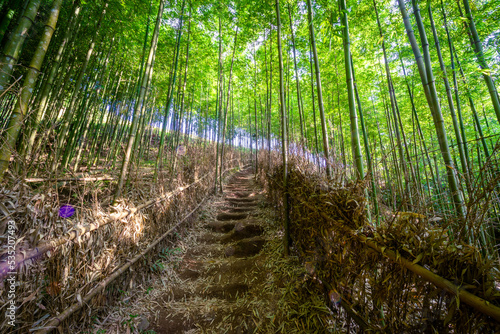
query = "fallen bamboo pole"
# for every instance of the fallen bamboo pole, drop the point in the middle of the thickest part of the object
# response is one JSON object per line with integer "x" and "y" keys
{"x": 67, "y": 179}
{"x": 468, "y": 298}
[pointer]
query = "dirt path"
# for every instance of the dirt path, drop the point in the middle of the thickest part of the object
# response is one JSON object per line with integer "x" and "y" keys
{"x": 224, "y": 273}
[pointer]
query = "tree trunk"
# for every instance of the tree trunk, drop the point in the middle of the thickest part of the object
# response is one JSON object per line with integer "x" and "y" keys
{"x": 20, "y": 110}
{"x": 427, "y": 79}
{"x": 319, "y": 89}
{"x": 355, "y": 142}
{"x": 284, "y": 144}
{"x": 478, "y": 48}
{"x": 139, "y": 103}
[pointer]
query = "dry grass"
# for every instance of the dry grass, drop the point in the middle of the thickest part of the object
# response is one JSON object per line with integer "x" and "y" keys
{"x": 68, "y": 273}
{"x": 379, "y": 294}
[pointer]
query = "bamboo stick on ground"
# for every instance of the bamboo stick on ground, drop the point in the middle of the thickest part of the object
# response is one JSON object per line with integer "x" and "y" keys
{"x": 66, "y": 179}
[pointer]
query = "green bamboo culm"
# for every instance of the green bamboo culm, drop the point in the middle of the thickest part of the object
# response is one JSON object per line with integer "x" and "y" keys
{"x": 428, "y": 83}
{"x": 22, "y": 105}
{"x": 44, "y": 93}
{"x": 355, "y": 142}
{"x": 284, "y": 146}
{"x": 138, "y": 106}
{"x": 12, "y": 50}
{"x": 399, "y": 131}
{"x": 170, "y": 94}
{"x": 368, "y": 156}
{"x": 224, "y": 122}
{"x": 449, "y": 97}
{"x": 485, "y": 69}
{"x": 324, "y": 131}
{"x": 69, "y": 112}
{"x": 6, "y": 21}
{"x": 297, "y": 82}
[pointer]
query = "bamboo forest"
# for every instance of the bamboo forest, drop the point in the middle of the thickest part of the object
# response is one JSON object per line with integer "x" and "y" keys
{"x": 246, "y": 166}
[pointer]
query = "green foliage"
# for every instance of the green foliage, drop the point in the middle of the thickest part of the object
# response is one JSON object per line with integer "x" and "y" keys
{"x": 130, "y": 321}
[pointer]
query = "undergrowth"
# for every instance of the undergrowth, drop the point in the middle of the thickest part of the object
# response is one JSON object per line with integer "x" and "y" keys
{"x": 346, "y": 260}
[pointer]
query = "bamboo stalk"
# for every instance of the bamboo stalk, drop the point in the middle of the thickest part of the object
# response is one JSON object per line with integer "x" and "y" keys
{"x": 81, "y": 179}
{"x": 148, "y": 72}
{"x": 324, "y": 130}
{"x": 284, "y": 143}
{"x": 355, "y": 142}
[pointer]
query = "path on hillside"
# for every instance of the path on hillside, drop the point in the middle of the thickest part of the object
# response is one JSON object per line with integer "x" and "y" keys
{"x": 225, "y": 272}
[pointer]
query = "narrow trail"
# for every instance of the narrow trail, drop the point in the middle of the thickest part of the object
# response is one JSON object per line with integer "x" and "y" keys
{"x": 224, "y": 273}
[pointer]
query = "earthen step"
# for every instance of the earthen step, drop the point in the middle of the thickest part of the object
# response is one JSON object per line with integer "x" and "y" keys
{"x": 246, "y": 247}
{"x": 236, "y": 199}
{"x": 171, "y": 322}
{"x": 243, "y": 194}
{"x": 189, "y": 274}
{"x": 243, "y": 231}
{"x": 221, "y": 291}
{"x": 224, "y": 216}
{"x": 244, "y": 204}
{"x": 239, "y": 209}
{"x": 237, "y": 189}
{"x": 222, "y": 227}
{"x": 235, "y": 267}
{"x": 204, "y": 250}
{"x": 209, "y": 238}
{"x": 238, "y": 192}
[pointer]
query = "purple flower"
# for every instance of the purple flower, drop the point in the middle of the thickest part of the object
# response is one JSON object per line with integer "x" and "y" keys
{"x": 66, "y": 211}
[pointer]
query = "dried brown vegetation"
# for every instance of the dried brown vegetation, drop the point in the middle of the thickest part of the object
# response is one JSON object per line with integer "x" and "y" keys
{"x": 102, "y": 244}
{"x": 368, "y": 272}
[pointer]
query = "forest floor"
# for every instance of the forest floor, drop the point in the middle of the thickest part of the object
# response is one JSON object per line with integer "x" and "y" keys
{"x": 217, "y": 278}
